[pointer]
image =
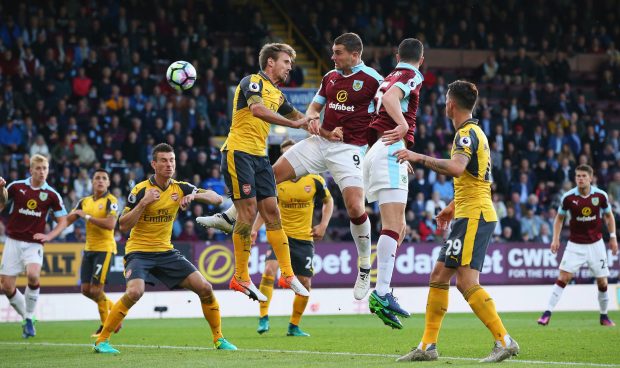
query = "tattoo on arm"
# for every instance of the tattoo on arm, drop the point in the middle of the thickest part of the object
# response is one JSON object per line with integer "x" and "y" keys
{"x": 439, "y": 166}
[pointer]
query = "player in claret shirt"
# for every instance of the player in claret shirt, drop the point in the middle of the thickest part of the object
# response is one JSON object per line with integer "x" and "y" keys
{"x": 585, "y": 204}
{"x": 32, "y": 200}
{"x": 386, "y": 180}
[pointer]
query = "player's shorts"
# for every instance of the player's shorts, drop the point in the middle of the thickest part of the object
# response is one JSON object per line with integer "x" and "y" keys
{"x": 382, "y": 171}
{"x": 302, "y": 253}
{"x": 316, "y": 155}
{"x": 594, "y": 255}
{"x": 95, "y": 267}
{"x": 467, "y": 243}
{"x": 169, "y": 267}
{"x": 17, "y": 254}
{"x": 248, "y": 176}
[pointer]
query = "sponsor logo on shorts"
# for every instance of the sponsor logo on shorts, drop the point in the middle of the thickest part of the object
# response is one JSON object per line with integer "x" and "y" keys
{"x": 247, "y": 188}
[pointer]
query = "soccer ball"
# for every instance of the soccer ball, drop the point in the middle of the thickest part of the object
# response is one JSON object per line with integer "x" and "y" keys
{"x": 181, "y": 75}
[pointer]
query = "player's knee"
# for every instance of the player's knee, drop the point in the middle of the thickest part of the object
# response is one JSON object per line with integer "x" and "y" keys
{"x": 305, "y": 281}
{"x": 33, "y": 279}
{"x": 565, "y": 278}
{"x": 271, "y": 267}
{"x": 464, "y": 285}
{"x": 247, "y": 212}
{"x": 85, "y": 289}
{"x": 601, "y": 283}
{"x": 204, "y": 290}
{"x": 134, "y": 294}
{"x": 355, "y": 208}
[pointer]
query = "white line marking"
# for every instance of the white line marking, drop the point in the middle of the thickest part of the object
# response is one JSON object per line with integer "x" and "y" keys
{"x": 308, "y": 352}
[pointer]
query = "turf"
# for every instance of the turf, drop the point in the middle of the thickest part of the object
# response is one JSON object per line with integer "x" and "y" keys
{"x": 575, "y": 338}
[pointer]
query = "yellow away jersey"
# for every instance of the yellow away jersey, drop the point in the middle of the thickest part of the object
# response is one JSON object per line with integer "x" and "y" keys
{"x": 296, "y": 202}
{"x": 99, "y": 239}
{"x": 153, "y": 232}
{"x": 472, "y": 191}
{"x": 248, "y": 133}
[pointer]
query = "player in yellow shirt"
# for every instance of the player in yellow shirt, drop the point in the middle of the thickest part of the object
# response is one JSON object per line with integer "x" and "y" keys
{"x": 257, "y": 104}
{"x": 474, "y": 221}
{"x": 296, "y": 202}
{"x": 100, "y": 212}
{"x": 151, "y": 209}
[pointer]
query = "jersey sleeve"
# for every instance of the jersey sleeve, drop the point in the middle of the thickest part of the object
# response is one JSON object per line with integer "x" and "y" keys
{"x": 563, "y": 209}
{"x": 188, "y": 188}
{"x": 10, "y": 189}
{"x": 605, "y": 203}
{"x": 136, "y": 195}
{"x": 58, "y": 206}
{"x": 322, "y": 192}
{"x": 466, "y": 142}
{"x": 252, "y": 89}
{"x": 112, "y": 206}
{"x": 286, "y": 109}
{"x": 321, "y": 95}
{"x": 408, "y": 84}
{"x": 78, "y": 206}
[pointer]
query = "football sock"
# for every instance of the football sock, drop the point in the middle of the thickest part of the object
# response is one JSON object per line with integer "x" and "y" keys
{"x": 556, "y": 294}
{"x": 103, "y": 306}
{"x": 436, "y": 308}
{"x": 231, "y": 213}
{"x": 360, "y": 230}
{"x": 483, "y": 306}
{"x": 279, "y": 242}
{"x": 242, "y": 243}
{"x": 115, "y": 317}
{"x": 386, "y": 256}
{"x": 299, "y": 306}
{"x": 603, "y": 299}
{"x": 31, "y": 295}
{"x": 266, "y": 287}
{"x": 211, "y": 311}
{"x": 18, "y": 302}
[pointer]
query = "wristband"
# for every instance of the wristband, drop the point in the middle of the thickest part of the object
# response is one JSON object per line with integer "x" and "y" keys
{"x": 87, "y": 217}
{"x": 612, "y": 235}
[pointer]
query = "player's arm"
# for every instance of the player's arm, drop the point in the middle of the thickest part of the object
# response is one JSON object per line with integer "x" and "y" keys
{"x": 454, "y": 166}
{"x": 192, "y": 193}
{"x": 318, "y": 231}
{"x": 611, "y": 226}
{"x": 61, "y": 225}
{"x": 444, "y": 217}
{"x": 557, "y": 230}
{"x": 314, "y": 112}
{"x": 391, "y": 101}
{"x": 136, "y": 207}
{"x": 4, "y": 193}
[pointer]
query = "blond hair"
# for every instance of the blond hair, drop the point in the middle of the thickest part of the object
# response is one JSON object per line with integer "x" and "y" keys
{"x": 37, "y": 159}
{"x": 272, "y": 51}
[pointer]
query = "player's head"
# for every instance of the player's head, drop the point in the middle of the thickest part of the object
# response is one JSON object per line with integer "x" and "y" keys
{"x": 39, "y": 168}
{"x": 583, "y": 176}
{"x": 411, "y": 51}
{"x": 288, "y": 143}
{"x": 101, "y": 181}
{"x": 163, "y": 162}
{"x": 276, "y": 59}
{"x": 460, "y": 98}
{"x": 347, "y": 50}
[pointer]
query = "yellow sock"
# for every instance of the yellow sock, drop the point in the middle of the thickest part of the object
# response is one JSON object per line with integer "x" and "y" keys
{"x": 116, "y": 316}
{"x": 279, "y": 243}
{"x": 482, "y": 304}
{"x": 436, "y": 308}
{"x": 299, "y": 306}
{"x": 103, "y": 305}
{"x": 266, "y": 287}
{"x": 211, "y": 311}
{"x": 242, "y": 243}
{"x": 110, "y": 303}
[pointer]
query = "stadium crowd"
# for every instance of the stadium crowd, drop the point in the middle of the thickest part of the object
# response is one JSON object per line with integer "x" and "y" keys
{"x": 84, "y": 86}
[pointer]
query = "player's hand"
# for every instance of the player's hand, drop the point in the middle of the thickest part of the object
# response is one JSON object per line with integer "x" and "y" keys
{"x": 80, "y": 213}
{"x": 394, "y": 135}
{"x": 410, "y": 168}
{"x": 613, "y": 244}
{"x": 302, "y": 123}
{"x": 314, "y": 126}
{"x": 151, "y": 196}
{"x": 555, "y": 245}
{"x": 318, "y": 232}
{"x": 186, "y": 201}
{"x": 444, "y": 217}
{"x": 253, "y": 236}
{"x": 43, "y": 238}
{"x": 404, "y": 155}
{"x": 335, "y": 135}
{"x": 2, "y": 182}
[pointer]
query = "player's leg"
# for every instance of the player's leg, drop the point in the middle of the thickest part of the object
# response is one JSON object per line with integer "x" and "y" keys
{"x": 32, "y": 257}
{"x": 436, "y": 308}
{"x": 603, "y": 302}
{"x": 302, "y": 254}
{"x": 599, "y": 267}
{"x": 266, "y": 287}
{"x": 299, "y": 306}
{"x": 556, "y": 294}
{"x": 210, "y": 307}
{"x": 11, "y": 266}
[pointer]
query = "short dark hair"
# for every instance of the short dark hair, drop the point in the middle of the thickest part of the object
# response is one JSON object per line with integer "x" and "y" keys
{"x": 411, "y": 49}
{"x": 101, "y": 171}
{"x": 287, "y": 143}
{"x": 464, "y": 93}
{"x": 273, "y": 50}
{"x": 162, "y": 147}
{"x": 585, "y": 168}
{"x": 351, "y": 42}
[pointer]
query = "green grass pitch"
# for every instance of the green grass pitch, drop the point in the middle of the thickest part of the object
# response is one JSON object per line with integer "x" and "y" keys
{"x": 572, "y": 339}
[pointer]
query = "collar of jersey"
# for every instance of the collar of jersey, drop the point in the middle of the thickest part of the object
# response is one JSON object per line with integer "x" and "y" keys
{"x": 403, "y": 65}
{"x": 354, "y": 70}
{"x": 264, "y": 76}
{"x": 105, "y": 194}
{"x": 153, "y": 182}
{"x": 469, "y": 121}
{"x": 29, "y": 183}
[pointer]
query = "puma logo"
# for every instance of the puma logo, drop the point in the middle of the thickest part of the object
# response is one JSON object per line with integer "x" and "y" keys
{"x": 333, "y": 82}
{"x": 22, "y": 191}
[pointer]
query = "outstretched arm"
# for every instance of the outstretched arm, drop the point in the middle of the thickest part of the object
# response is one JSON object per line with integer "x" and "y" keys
{"x": 451, "y": 167}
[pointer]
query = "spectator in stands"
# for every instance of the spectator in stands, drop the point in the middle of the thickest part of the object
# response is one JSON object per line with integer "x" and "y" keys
{"x": 444, "y": 188}
{"x": 11, "y": 136}
{"x": 188, "y": 234}
{"x": 510, "y": 221}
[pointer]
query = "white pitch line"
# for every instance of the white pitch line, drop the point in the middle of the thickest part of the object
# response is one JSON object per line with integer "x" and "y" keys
{"x": 307, "y": 352}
